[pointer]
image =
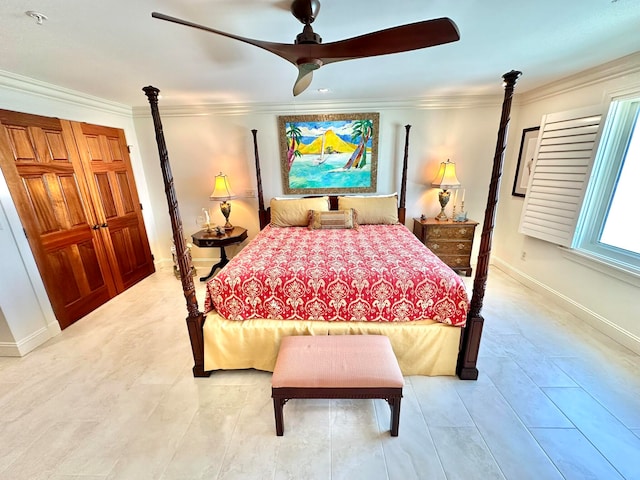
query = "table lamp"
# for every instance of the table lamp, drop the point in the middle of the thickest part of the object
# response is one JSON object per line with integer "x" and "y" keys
{"x": 222, "y": 193}
{"x": 445, "y": 180}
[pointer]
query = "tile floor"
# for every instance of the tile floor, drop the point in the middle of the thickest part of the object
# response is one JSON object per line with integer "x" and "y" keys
{"x": 112, "y": 397}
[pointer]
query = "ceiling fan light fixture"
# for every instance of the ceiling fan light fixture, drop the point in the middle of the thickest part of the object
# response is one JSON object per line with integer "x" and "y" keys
{"x": 309, "y": 63}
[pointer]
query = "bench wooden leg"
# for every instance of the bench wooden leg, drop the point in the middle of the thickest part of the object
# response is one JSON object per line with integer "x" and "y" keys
{"x": 394, "y": 403}
{"x": 278, "y": 404}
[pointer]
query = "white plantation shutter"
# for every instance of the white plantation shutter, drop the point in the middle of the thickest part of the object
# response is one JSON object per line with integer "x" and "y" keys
{"x": 562, "y": 164}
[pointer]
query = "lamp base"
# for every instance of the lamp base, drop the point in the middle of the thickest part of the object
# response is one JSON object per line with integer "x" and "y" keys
{"x": 443, "y": 198}
{"x": 225, "y": 208}
{"x": 442, "y": 216}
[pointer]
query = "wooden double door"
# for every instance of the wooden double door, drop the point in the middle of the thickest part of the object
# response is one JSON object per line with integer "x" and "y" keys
{"x": 73, "y": 186}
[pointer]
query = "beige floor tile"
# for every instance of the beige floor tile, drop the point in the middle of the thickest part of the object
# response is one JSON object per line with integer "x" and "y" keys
{"x": 515, "y": 450}
{"x": 525, "y": 397}
{"x": 574, "y": 455}
{"x": 615, "y": 442}
{"x": 412, "y": 454}
{"x": 464, "y": 454}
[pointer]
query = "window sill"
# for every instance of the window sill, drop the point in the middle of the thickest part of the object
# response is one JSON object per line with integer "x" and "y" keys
{"x": 604, "y": 265}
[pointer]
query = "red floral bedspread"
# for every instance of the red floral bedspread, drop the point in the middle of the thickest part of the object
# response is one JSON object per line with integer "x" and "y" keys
{"x": 377, "y": 273}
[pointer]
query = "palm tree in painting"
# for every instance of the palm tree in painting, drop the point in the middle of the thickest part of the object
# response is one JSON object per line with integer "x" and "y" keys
{"x": 293, "y": 135}
{"x": 362, "y": 130}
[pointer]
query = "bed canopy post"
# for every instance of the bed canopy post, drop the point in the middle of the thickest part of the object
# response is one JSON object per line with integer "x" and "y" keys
{"x": 403, "y": 188}
{"x": 263, "y": 216}
{"x": 195, "y": 318}
{"x": 473, "y": 330}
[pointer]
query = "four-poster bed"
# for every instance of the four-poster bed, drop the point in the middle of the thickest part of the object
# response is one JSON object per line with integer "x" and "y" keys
{"x": 457, "y": 351}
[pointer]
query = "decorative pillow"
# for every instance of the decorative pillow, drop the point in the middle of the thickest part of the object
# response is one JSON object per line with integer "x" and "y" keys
{"x": 333, "y": 219}
{"x": 372, "y": 210}
{"x": 294, "y": 212}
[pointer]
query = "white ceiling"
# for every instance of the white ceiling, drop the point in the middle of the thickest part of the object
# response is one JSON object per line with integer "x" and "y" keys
{"x": 111, "y": 49}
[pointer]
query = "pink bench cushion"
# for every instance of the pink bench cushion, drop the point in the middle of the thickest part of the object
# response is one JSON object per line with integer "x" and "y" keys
{"x": 337, "y": 361}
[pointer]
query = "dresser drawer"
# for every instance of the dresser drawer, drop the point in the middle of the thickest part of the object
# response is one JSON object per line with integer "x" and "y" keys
{"x": 455, "y": 261}
{"x": 450, "y": 232}
{"x": 447, "y": 247}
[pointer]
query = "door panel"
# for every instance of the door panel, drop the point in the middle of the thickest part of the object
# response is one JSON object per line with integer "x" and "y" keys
{"x": 106, "y": 195}
{"x": 105, "y": 155}
{"x": 40, "y": 202}
{"x": 44, "y": 173}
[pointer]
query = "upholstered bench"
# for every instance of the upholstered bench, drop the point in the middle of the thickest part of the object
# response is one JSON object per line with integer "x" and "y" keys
{"x": 336, "y": 366}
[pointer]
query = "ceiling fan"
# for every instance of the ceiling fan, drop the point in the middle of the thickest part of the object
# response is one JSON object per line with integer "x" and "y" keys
{"x": 309, "y": 54}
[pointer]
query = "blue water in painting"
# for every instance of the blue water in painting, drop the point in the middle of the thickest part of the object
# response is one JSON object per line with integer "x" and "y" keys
{"x": 306, "y": 172}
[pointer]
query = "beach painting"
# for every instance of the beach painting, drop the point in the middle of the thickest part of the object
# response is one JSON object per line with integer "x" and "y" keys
{"x": 332, "y": 153}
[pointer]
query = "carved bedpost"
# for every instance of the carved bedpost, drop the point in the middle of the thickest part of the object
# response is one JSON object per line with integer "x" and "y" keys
{"x": 262, "y": 212}
{"x": 403, "y": 188}
{"x": 472, "y": 333}
{"x": 195, "y": 319}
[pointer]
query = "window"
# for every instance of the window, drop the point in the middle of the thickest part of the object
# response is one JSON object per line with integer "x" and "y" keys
{"x": 607, "y": 226}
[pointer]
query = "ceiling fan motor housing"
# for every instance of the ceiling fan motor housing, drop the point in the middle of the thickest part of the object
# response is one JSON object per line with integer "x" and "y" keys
{"x": 305, "y": 10}
{"x": 308, "y": 36}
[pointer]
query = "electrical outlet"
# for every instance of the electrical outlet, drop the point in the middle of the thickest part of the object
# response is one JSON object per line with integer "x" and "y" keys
{"x": 523, "y": 256}
{"x": 250, "y": 193}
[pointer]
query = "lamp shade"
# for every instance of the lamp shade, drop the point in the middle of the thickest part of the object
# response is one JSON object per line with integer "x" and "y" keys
{"x": 221, "y": 190}
{"x": 446, "y": 177}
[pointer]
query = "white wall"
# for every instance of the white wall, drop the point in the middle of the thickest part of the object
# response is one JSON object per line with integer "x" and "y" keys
{"x": 26, "y": 317}
{"x": 605, "y": 301}
{"x": 27, "y": 312}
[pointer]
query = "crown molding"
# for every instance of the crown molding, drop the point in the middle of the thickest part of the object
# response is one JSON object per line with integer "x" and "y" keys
{"x": 325, "y": 106}
{"x": 31, "y": 86}
{"x": 627, "y": 65}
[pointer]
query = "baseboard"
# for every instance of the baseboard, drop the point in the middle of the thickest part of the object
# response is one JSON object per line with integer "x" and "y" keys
{"x": 26, "y": 345}
{"x": 9, "y": 349}
{"x": 598, "y": 322}
{"x": 201, "y": 262}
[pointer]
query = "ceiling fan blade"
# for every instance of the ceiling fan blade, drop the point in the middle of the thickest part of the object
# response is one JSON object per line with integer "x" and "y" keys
{"x": 404, "y": 38}
{"x": 302, "y": 82}
{"x": 287, "y": 51}
{"x": 305, "y": 75}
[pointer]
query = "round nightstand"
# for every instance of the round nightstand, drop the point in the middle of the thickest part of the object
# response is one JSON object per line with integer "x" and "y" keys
{"x": 204, "y": 239}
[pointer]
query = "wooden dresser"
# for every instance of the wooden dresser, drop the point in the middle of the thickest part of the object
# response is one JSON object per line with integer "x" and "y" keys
{"x": 450, "y": 241}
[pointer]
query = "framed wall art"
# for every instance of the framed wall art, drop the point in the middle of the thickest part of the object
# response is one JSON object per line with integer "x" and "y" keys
{"x": 331, "y": 153}
{"x": 525, "y": 161}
